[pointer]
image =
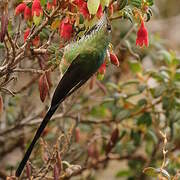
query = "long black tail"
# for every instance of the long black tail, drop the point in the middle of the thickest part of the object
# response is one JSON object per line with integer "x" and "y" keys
{"x": 70, "y": 82}
{"x": 36, "y": 137}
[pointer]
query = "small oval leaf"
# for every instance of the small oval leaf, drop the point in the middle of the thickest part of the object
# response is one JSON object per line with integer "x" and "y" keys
{"x": 150, "y": 171}
{"x": 43, "y": 87}
{"x": 93, "y": 6}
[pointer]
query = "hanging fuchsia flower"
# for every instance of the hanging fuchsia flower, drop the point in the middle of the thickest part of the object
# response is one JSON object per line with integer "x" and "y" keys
{"x": 142, "y": 36}
{"x": 26, "y": 34}
{"x": 37, "y": 12}
{"x": 66, "y": 29}
{"x": 36, "y": 41}
{"x": 99, "y": 12}
{"x": 36, "y": 8}
{"x": 20, "y": 8}
{"x": 114, "y": 59}
{"x": 83, "y": 9}
{"x": 102, "y": 69}
{"x": 79, "y": 3}
{"x": 27, "y": 13}
{"x": 52, "y": 4}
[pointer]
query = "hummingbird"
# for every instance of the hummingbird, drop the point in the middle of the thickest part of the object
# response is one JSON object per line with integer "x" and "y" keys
{"x": 81, "y": 60}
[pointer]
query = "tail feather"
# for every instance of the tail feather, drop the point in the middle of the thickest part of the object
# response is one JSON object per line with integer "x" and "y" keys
{"x": 36, "y": 137}
{"x": 70, "y": 82}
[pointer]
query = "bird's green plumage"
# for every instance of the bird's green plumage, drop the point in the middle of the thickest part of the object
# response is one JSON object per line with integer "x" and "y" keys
{"x": 93, "y": 45}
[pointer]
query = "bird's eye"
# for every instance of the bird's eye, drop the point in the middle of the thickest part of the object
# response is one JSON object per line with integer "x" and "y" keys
{"x": 109, "y": 28}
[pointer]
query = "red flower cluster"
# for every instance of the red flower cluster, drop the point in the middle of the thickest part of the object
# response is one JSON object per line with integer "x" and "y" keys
{"x": 22, "y": 7}
{"x": 52, "y": 4}
{"x": 36, "y": 40}
{"x": 99, "y": 12}
{"x": 142, "y": 35}
{"x": 66, "y": 29}
{"x": 82, "y": 5}
{"x": 36, "y": 8}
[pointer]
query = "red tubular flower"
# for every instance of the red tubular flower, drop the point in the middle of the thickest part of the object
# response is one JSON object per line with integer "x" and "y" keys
{"x": 36, "y": 8}
{"x": 99, "y": 12}
{"x": 51, "y": 4}
{"x": 54, "y": 2}
{"x": 82, "y": 5}
{"x": 27, "y": 13}
{"x": 102, "y": 69}
{"x": 142, "y": 35}
{"x": 79, "y": 3}
{"x": 114, "y": 59}
{"x": 20, "y": 8}
{"x": 26, "y": 34}
{"x": 84, "y": 10}
{"x": 66, "y": 29}
{"x": 36, "y": 41}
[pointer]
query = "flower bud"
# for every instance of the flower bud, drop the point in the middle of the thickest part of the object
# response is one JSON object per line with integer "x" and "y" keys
{"x": 27, "y": 13}
{"x": 43, "y": 87}
{"x": 20, "y": 8}
{"x": 114, "y": 59}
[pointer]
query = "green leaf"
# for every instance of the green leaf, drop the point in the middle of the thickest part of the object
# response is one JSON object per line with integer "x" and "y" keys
{"x": 93, "y": 6}
{"x": 151, "y": 135}
{"x": 141, "y": 88}
{"x": 10, "y": 28}
{"x": 142, "y": 102}
{"x": 145, "y": 119}
{"x": 136, "y": 136}
{"x": 81, "y": 19}
{"x": 105, "y": 3}
{"x": 124, "y": 173}
{"x": 153, "y": 172}
{"x": 99, "y": 111}
{"x": 135, "y": 66}
{"x": 112, "y": 86}
{"x": 159, "y": 90}
{"x": 150, "y": 171}
{"x": 44, "y": 34}
{"x": 43, "y": 2}
{"x": 130, "y": 82}
{"x": 123, "y": 114}
{"x": 177, "y": 75}
{"x": 176, "y": 61}
{"x": 166, "y": 56}
{"x": 136, "y": 3}
{"x": 150, "y": 2}
{"x": 1, "y": 45}
{"x": 122, "y": 3}
{"x": 55, "y": 24}
{"x": 37, "y": 19}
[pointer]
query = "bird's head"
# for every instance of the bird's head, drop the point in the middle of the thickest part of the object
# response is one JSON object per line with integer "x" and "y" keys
{"x": 103, "y": 26}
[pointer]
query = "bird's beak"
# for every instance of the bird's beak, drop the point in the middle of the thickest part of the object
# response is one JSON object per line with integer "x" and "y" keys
{"x": 107, "y": 19}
